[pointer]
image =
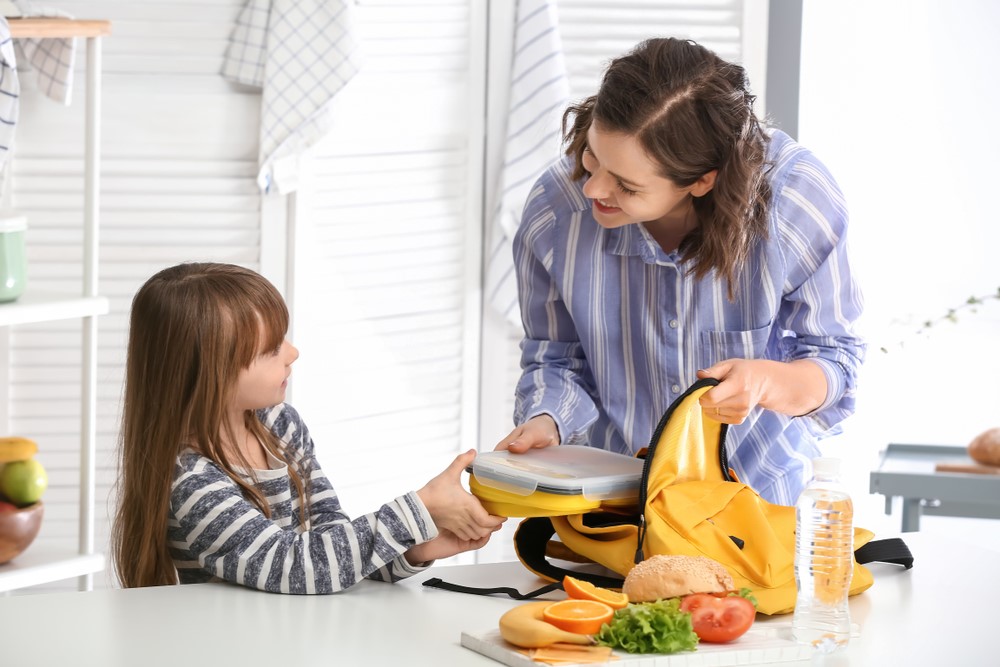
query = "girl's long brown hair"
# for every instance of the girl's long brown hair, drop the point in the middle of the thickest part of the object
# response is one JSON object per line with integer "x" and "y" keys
{"x": 193, "y": 328}
{"x": 692, "y": 112}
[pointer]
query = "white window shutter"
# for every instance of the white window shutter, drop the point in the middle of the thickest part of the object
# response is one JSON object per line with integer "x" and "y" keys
{"x": 385, "y": 260}
{"x": 593, "y": 32}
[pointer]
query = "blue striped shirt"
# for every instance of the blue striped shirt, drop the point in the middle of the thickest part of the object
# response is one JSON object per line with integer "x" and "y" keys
{"x": 615, "y": 330}
{"x": 217, "y": 534}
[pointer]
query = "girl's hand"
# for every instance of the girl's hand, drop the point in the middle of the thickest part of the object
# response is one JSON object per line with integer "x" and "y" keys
{"x": 792, "y": 388}
{"x": 454, "y": 509}
{"x": 537, "y": 432}
{"x": 445, "y": 545}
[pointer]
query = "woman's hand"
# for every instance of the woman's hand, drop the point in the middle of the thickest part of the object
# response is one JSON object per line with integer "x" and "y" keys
{"x": 454, "y": 509}
{"x": 445, "y": 545}
{"x": 792, "y": 388}
{"x": 537, "y": 432}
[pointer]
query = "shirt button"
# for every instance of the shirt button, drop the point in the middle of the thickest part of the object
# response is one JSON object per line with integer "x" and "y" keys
{"x": 673, "y": 324}
{"x": 676, "y": 388}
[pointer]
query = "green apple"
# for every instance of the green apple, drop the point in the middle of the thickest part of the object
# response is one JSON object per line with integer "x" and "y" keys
{"x": 23, "y": 482}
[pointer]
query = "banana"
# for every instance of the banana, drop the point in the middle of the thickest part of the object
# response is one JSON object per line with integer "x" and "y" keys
{"x": 16, "y": 448}
{"x": 524, "y": 626}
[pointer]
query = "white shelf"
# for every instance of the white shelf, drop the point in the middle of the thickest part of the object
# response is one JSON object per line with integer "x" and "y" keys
{"x": 41, "y": 565}
{"x": 44, "y": 564}
{"x": 47, "y": 307}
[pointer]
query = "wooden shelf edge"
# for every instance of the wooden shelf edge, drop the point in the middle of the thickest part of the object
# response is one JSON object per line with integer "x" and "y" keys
{"x": 57, "y": 27}
{"x": 13, "y": 577}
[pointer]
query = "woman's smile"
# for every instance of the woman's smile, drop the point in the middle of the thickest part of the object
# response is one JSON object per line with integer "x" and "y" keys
{"x": 603, "y": 207}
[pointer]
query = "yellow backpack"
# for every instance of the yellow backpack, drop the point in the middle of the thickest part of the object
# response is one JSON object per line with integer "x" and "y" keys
{"x": 692, "y": 504}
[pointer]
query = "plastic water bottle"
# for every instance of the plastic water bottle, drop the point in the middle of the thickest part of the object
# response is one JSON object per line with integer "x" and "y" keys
{"x": 824, "y": 559}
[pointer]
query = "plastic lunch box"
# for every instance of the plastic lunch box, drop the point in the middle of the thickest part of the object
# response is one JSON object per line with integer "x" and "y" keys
{"x": 554, "y": 481}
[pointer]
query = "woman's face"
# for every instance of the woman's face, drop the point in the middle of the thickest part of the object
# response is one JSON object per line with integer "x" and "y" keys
{"x": 625, "y": 186}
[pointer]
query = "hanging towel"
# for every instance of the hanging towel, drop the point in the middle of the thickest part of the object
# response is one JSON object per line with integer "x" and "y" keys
{"x": 539, "y": 92}
{"x": 10, "y": 89}
{"x": 300, "y": 54}
{"x": 49, "y": 59}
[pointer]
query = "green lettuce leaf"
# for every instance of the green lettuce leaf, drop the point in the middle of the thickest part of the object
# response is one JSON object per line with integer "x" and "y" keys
{"x": 650, "y": 627}
{"x": 746, "y": 593}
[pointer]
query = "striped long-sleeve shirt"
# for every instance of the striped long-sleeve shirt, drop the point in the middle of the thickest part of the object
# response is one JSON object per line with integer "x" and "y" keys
{"x": 615, "y": 329}
{"x": 216, "y": 534}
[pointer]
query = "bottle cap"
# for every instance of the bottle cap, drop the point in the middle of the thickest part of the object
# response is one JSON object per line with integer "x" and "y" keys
{"x": 826, "y": 466}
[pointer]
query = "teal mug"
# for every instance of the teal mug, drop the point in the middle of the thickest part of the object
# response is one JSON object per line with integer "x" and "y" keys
{"x": 13, "y": 263}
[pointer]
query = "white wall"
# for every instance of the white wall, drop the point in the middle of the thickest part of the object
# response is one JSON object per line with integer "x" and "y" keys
{"x": 899, "y": 99}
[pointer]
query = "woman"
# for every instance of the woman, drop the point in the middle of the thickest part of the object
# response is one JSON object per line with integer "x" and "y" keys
{"x": 679, "y": 240}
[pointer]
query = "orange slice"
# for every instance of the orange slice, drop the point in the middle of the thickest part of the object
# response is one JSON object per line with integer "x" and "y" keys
{"x": 583, "y": 617}
{"x": 584, "y": 590}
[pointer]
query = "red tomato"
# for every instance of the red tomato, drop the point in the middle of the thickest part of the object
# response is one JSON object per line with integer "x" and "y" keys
{"x": 718, "y": 619}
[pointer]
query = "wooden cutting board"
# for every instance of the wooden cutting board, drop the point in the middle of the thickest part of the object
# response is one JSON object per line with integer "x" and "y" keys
{"x": 766, "y": 644}
{"x": 966, "y": 466}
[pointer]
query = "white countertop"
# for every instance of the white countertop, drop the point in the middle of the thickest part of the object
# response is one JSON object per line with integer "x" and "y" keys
{"x": 943, "y": 611}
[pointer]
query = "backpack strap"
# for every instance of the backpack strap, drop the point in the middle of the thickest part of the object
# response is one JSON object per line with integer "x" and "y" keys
{"x": 435, "y": 582}
{"x": 533, "y": 535}
{"x": 530, "y": 541}
{"x": 887, "y": 550}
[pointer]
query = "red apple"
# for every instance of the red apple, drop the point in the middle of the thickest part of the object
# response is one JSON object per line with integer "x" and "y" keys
{"x": 6, "y": 507}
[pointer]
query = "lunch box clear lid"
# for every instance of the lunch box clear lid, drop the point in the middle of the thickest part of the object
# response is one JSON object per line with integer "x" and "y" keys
{"x": 595, "y": 474}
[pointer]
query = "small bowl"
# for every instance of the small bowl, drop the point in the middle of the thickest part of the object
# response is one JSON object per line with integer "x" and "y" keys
{"x": 18, "y": 530}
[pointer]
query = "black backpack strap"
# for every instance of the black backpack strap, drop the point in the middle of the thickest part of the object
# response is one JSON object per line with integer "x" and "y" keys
{"x": 533, "y": 535}
{"x": 434, "y": 582}
{"x": 888, "y": 550}
{"x": 530, "y": 540}
{"x": 536, "y": 528}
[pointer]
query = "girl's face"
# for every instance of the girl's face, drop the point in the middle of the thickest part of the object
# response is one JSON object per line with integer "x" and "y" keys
{"x": 625, "y": 185}
{"x": 264, "y": 383}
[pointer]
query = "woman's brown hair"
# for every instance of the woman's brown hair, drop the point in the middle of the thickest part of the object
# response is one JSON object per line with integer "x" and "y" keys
{"x": 692, "y": 112}
{"x": 193, "y": 328}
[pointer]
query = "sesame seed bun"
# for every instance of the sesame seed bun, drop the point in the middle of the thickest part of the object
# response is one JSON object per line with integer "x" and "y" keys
{"x": 661, "y": 577}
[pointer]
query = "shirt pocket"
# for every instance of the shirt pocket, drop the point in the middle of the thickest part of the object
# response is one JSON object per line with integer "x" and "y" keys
{"x": 719, "y": 345}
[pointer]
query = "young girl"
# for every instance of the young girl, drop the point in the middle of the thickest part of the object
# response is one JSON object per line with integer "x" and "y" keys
{"x": 219, "y": 477}
{"x": 679, "y": 239}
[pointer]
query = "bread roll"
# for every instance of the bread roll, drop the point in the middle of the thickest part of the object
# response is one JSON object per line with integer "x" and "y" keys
{"x": 985, "y": 447}
{"x": 661, "y": 577}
